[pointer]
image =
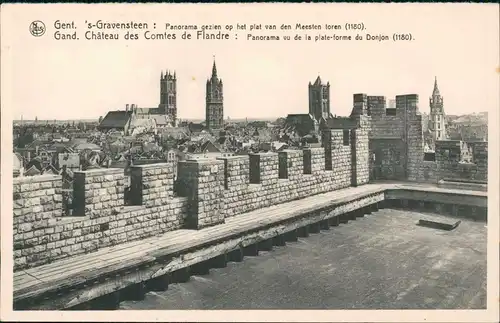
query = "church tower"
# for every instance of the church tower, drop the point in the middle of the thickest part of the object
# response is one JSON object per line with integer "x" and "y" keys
{"x": 168, "y": 95}
{"x": 319, "y": 100}
{"x": 214, "y": 110}
{"x": 437, "y": 118}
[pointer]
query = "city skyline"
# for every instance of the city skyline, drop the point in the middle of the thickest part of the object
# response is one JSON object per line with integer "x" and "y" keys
{"x": 198, "y": 115}
{"x": 263, "y": 79}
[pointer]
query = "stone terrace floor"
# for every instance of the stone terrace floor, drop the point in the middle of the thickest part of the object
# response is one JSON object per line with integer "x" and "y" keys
{"x": 381, "y": 261}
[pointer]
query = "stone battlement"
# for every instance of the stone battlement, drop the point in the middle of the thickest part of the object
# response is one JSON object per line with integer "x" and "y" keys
{"x": 206, "y": 193}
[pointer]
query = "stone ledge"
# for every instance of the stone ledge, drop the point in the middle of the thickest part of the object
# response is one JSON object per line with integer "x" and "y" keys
{"x": 36, "y": 179}
{"x": 100, "y": 171}
{"x": 464, "y": 185}
{"x": 233, "y": 157}
{"x": 158, "y": 165}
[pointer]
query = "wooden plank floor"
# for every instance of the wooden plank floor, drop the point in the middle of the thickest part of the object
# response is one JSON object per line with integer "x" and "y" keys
{"x": 86, "y": 266}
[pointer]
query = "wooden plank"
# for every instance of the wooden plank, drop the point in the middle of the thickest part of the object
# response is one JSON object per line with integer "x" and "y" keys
{"x": 80, "y": 279}
{"x": 203, "y": 234}
{"x": 24, "y": 278}
{"x": 62, "y": 265}
{"x": 88, "y": 259}
{"x": 139, "y": 251}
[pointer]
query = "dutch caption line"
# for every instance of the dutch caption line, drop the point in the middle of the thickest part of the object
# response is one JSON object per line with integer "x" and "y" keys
{"x": 132, "y": 30}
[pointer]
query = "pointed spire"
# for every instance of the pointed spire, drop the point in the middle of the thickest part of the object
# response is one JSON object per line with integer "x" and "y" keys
{"x": 161, "y": 75}
{"x": 318, "y": 81}
{"x": 435, "y": 92}
{"x": 214, "y": 70}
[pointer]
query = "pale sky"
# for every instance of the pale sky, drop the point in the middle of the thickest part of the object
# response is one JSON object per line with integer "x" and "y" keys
{"x": 458, "y": 43}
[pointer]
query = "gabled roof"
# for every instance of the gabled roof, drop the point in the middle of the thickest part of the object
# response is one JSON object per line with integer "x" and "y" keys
{"x": 115, "y": 120}
{"x": 209, "y": 146}
{"x": 32, "y": 171}
{"x": 50, "y": 169}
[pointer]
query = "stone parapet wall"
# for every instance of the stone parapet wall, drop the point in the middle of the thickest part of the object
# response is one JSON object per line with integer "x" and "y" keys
{"x": 100, "y": 219}
{"x": 37, "y": 206}
{"x": 151, "y": 184}
{"x": 96, "y": 192}
{"x": 205, "y": 193}
{"x": 448, "y": 163}
{"x": 397, "y": 145}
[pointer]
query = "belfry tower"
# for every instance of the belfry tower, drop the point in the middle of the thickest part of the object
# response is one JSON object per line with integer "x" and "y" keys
{"x": 214, "y": 110}
{"x": 168, "y": 95}
{"x": 437, "y": 117}
{"x": 319, "y": 99}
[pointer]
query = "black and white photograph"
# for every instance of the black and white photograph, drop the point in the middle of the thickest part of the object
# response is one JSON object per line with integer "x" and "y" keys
{"x": 318, "y": 161}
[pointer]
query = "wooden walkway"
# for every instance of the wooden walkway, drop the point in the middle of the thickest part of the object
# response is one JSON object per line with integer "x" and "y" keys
{"x": 81, "y": 269}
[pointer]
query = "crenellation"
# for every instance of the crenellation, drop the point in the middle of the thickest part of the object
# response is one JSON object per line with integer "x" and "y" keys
{"x": 317, "y": 160}
{"x": 152, "y": 185}
{"x": 204, "y": 180}
{"x": 47, "y": 236}
{"x": 88, "y": 189}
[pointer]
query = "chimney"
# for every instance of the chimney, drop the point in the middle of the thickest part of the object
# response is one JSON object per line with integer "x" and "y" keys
{"x": 126, "y": 107}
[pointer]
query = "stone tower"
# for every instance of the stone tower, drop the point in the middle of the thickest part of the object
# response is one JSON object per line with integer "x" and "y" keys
{"x": 214, "y": 111}
{"x": 168, "y": 95}
{"x": 319, "y": 99}
{"x": 437, "y": 118}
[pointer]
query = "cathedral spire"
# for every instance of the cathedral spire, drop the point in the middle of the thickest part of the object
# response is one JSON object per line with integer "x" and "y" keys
{"x": 214, "y": 70}
{"x": 435, "y": 92}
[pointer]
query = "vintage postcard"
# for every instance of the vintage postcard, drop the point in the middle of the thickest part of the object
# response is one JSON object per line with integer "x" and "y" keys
{"x": 287, "y": 162}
